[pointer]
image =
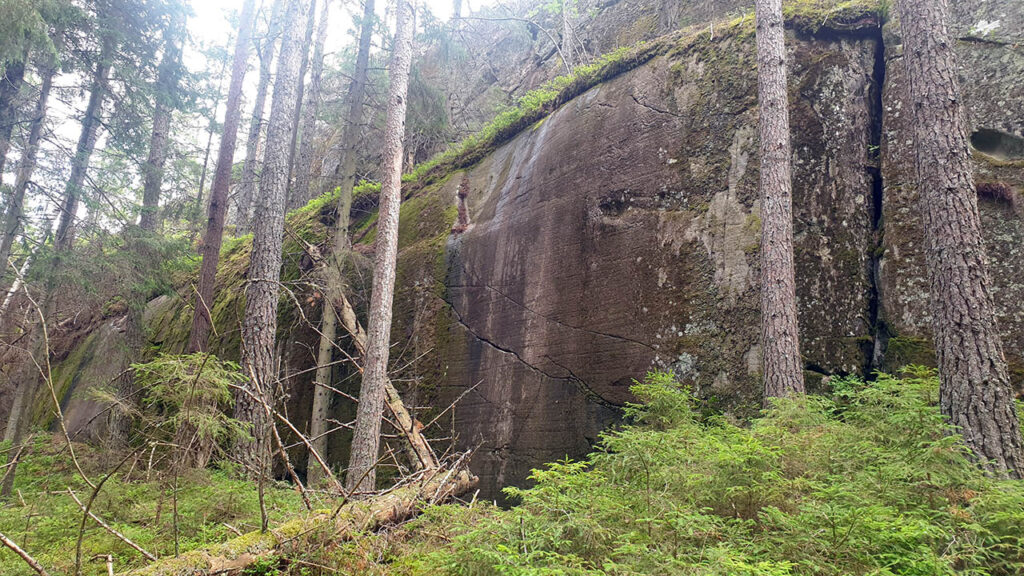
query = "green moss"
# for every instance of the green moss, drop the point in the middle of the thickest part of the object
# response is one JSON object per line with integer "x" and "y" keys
{"x": 812, "y": 16}
{"x": 909, "y": 351}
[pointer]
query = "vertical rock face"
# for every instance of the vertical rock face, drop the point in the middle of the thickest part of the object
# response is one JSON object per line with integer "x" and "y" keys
{"x": 620, "y": 234}
{"x": 991, "y": 68}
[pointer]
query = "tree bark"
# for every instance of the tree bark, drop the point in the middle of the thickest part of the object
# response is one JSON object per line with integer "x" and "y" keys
{"x": 85, "y": 147}
{"x": 10, "y": 86}
{"x": 301, "y": 188}
{"x": 975, "y": 391}
{"x": 783, "y": 368}
{"x": 259, "y": 325}
{"x": 198, "y": 452}
{"x": 366, "y": 437}
{"x": 253, "y": 150}
{"x": 199, "y": 337}
{"x": 15, "y": 209}
{"x": 568, "y": 36}
{"x": 291, "y": 196}
{"x": 333, "y": 276}
{"x": 165, "y": 93}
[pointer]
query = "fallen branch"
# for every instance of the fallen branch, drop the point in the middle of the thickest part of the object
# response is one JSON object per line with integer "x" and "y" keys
{"x": 234, "y": 556}
{"x": 107, "y": 527}
{"x": 24, "y": 555}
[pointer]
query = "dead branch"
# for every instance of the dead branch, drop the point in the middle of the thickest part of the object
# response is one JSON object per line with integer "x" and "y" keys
{"x": 107, "y": 527}
{"x": 24, "y": 555}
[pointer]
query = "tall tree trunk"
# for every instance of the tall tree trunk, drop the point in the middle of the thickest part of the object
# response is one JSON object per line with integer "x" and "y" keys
{"x": 333, "y": 275}
{"x": 301, "y": 188}
{"x": 165, "y": 94}
{"x": 291, "y": 197}
{"x": 199, "y": 337}
{"x": 366, "y": 437}
{"x": 84, "y": 149}
{"x": 10, "y": 86}
{"x": 568, "y": 36}
{"x": 198, "y": 449}
{"x": 975, "y": 392}
{"x": 783, "y": 368}
{"x": 15, "y": 209}
{"x": 259, "y": 325}
{"x": 251, "y": 166}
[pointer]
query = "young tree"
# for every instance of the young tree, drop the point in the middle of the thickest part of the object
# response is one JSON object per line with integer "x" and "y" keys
{"x": 259, "y": 325}
{"x": 199, "y": 337}
{"x": 251, "y": 165}
{"x": 975, "y": 392}
{"x": 783, "y": 369}
{"x": 333, "y": 278}
{"x": 301, "y": 189}
{"x": 366, "y": 437}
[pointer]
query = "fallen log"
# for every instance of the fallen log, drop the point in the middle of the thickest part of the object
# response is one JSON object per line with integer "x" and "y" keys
{"x": 319, "y": 527}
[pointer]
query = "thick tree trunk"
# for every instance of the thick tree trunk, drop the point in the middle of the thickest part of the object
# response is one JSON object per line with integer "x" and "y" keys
{"x": 199, "y": 337}
{"x": 333, "y": 276}
{"x": 84, "y": 149}
{"x": 783, "y": 368}
{"x": 975, "y": 392}
{"x": 10, "y": 86}
{"x": 366, "y": 437}
{"x": 301, "y": 188}
{"x": 15, "y": 209}
{"x": 253, "y": 150}
{"x": 291, "y": 196}
{"x": 259, "y": 325}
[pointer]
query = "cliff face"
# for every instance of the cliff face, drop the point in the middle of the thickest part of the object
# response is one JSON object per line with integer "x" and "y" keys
{"x": 620, "y": 234}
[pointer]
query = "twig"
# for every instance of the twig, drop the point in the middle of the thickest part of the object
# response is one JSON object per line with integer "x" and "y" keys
{"x": 88, "y": 506}
{"x": 107, "y": 527}
{"x": 24, "y": 555}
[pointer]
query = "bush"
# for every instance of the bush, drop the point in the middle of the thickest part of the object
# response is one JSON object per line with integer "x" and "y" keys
{"x": 869, "y": 481}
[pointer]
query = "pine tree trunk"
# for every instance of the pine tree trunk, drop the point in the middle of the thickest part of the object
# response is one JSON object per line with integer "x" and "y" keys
{"x": 366, "y": 437}
{"x": 10, "y": 86}
{"x": 253, "y": 150}
{"x": 199, "y": 337}
{"x": 15, "y": 209}
{"x": 166, "y": 87}
{"x": 568, "y": 37}
{"x": 783, "y": 368}
{"x": 84, "y": 149}
{"x": 975, "y": 391}
{"x": 292, "y": 200}
{"x": 333, "y": 277}
{"x": 301, "y": 189}
{"x": 259, "y": 325}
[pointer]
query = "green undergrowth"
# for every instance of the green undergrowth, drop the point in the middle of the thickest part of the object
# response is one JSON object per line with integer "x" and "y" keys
{"x": 42, "y": 518}
{"x": 866, "y": 481}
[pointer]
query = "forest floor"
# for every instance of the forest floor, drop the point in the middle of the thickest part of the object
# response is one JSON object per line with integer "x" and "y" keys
{"x": 867, "y": 480}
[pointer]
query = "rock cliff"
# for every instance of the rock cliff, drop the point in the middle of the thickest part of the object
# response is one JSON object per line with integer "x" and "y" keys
{"x": 619, "y": 234}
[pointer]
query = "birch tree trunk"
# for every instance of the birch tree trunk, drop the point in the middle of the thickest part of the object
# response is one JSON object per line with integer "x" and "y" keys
{"x": 259, "y": 325}
{"x": 301, "y": 188}
{"x": 333, "y": 276}
{"x": 975, "y": 391}
{"x": 199, "y": 337}
{"x": 366, "y": 437}
{"x": 253, "y": 150}
{"x": 783, "y": 368}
